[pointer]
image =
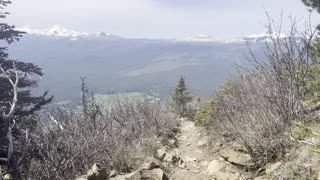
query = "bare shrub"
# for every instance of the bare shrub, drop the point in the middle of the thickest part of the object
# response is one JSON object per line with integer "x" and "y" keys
{"x": 68, "y": 144}
{"x": 258, "y": 109}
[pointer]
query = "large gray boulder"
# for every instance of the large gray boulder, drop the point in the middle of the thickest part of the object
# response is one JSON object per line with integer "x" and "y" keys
{"x": 236, "y": 157}
{"x": 219, "y": 170}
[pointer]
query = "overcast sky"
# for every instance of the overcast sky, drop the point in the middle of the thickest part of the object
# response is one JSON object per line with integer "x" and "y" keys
{"x": 156, "y": 18}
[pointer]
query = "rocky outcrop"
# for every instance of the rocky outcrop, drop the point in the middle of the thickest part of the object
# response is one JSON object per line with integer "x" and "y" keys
{"x": 236, "y": 157}
{"x": 219, "y": 169}
{"x": 273, "y": 167}
{"x": 152, "y": 169}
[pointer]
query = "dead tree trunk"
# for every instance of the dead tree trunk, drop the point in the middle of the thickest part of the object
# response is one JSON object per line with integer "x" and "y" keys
{"x": 7, "y": 123}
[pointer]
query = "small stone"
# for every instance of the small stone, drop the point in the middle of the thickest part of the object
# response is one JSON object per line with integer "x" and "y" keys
{"x": 161, "y": 153}
{"x": 273, "y": 167}
{"x": 181, "y": 164}
{"x": 151, "y": 163}
{"x": 196, "y": 171}
{"x": 215, "y": 167}
{"x": 113, "y": 173}
{"x": 217, "y": 170}
{"x": 97, "y": 173}
{"x": 172, "y": 143}
{"x": 287, "y": 155}
{"x": 7, "y": 177}
{"x": 171, "y": 158}
{"x": 154, "y": 174}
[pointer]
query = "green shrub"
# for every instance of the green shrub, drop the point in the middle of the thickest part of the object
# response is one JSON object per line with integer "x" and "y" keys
{"x": 301, "y": 132}
{"x": 312, "y": 90}
{"x": 203, "y": 114}
{"x": 296, "y": 171}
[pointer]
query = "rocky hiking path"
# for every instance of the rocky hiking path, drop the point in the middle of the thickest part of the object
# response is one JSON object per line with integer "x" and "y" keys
{"x": 187, "y": 155}
{"x": 194, "y": 151}
{"x": 201, "y": 161}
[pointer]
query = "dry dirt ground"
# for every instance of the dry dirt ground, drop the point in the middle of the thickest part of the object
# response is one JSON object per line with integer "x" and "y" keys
{"x": 194, "y": 151}
{"x": 201, "y": 161}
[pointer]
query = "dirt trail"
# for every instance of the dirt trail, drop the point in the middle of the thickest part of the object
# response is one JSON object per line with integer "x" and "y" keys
{"x": 194, "y": 151}
{"x": 192, "y": 159}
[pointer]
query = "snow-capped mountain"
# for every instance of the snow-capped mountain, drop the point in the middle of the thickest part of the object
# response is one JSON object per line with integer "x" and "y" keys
{"x": 257, "y": 38}
{"x": 264, "y": 37}
{"x": 253, "y": 38}
{"x": 61, "y": 32}
{"x": 202, "y": 38}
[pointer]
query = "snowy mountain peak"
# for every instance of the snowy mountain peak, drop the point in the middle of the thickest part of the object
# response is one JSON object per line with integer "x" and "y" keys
{"x": 264, "y": 37}
{"x": 201, "y": 39}
{"x": 62, "y": 32}
{"x": 254, "y": 38}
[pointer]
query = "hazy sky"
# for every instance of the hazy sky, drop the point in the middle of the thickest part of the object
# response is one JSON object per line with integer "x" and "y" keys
{"x": 156, "y": 18}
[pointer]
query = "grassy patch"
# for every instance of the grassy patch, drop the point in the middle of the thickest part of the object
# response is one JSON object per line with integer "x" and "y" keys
{"x": 295, "y": 172}
{"x": 301, "y": 131}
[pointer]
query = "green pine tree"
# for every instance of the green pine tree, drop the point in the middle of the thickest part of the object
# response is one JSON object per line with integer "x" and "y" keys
{"x": 180, "y": 98}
